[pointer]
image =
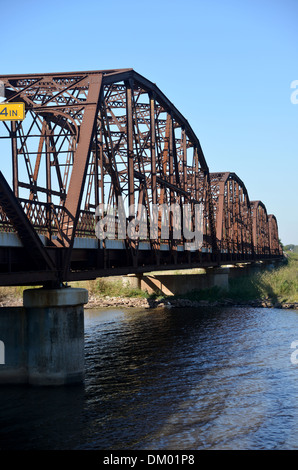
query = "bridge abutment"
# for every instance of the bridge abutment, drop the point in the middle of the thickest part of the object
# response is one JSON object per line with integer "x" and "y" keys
{"x": 44, "y": 339}
{"x": 180, "y": 283}
{"x": 185, "y": 281}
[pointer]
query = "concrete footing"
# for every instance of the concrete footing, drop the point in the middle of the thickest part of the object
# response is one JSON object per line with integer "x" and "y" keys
{"x": 43, "y": 341}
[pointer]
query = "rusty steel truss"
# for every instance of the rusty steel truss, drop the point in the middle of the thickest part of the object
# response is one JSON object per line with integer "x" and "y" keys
{"x": 97, "y": 138}
{"x": 232, "y": 212}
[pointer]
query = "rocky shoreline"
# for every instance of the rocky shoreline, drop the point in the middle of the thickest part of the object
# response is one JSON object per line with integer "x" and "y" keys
{"x": 104, "y": 302}
{"x": 139, "y": 302}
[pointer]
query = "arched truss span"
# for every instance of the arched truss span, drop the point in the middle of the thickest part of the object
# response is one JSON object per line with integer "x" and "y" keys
{"x": 90, "y": 138}
{"x": 232, "y": 215}
{"x": 260, "y": 225}
{"x": 275, "y": 247}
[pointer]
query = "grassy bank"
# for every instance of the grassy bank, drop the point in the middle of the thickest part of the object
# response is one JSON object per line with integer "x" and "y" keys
{"x": 279, "y": 285}
{"x": 109, "y": 287}
{"x": 98, "y": 290}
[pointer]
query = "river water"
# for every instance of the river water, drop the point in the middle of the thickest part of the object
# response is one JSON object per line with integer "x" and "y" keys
{"x": 182, "y": 379}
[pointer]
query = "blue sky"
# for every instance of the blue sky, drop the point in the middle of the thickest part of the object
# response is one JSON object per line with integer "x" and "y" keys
{"x": 227, "y": 65}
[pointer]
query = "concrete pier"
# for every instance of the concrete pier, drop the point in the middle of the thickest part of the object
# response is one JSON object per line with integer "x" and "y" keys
{"x": 185, "y": 281}
{"x": 43, "y": 341}
{"x": 176, "y": 283}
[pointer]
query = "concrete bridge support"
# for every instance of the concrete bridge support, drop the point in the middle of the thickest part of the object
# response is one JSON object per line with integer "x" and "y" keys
{"x": 185, "y": 281}
{"x": 43, "y": 341}
{"x": 180, "y": 283}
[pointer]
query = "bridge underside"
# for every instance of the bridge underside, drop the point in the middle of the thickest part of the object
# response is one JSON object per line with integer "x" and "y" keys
{"x": 89, "y": 261}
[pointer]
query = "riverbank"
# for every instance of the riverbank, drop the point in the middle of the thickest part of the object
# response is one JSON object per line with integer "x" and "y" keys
{"x": 168, "y": 302}
{"x": 275, "y": 288}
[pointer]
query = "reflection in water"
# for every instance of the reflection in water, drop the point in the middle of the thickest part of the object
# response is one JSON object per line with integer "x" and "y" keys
{"x": 168, "y": 379}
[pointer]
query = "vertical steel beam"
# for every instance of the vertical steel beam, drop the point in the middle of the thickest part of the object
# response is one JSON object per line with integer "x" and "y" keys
{"x": 220, "y": 214}
{"x": 170, "y": 156}
{"x": 38, "y": 156}
{"x": 254, "y": 228}
{"x": 237, "y": 219}
{"x": 48, "y": 180}
{"x": 79, "y": 170}
{"x": 15, "y": 172}
{"x": 55, "y": 157}
{"x": 234, "y": 222}
{"x": 48, "y": 167}
{"x": 153, "y": 150}
{"x": 184, "y": 161}
{"x": 197, "y": 181}
{"x": 171, "y": 177}
{"x": 130, "y": 152}
{"x": 96, "y": 173}
{"x": 100, "y": 156}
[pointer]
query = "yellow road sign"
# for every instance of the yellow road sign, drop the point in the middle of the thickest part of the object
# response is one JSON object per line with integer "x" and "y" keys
{"x": 12, "y": 111}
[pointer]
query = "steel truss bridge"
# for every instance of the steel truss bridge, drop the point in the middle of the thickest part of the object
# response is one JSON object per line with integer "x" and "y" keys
{"x": 90, "y": 138}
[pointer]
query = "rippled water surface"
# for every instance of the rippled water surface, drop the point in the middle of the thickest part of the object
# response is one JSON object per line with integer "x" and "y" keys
{"x": 168, "y": 379}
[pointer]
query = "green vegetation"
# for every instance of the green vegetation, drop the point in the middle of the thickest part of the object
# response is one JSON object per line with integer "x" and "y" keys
{"x": 282, "y": 284}
{"x": 278, "y": 285}
{"x": 291, "y": 248}
{"x": 11, "y": 295}
{"x": 103, "y": 287}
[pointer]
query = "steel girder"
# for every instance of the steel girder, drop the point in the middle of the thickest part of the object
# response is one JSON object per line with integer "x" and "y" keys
{"x": 232, "y": 215}
{"x": 260, "y": 225}
{"x": 242, "y": 226}
{"x": 275, "y": 247}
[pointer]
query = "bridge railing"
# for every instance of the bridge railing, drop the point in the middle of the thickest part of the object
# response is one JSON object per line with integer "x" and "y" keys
{"x": 46, "y": 219}
{"x": 5, "y": 224}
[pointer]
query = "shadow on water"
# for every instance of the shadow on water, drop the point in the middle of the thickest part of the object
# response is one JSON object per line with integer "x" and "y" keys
{"x": 40, "y": 418}
{"x": 182, "y": 379}
{"x": 135, "y": 377}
